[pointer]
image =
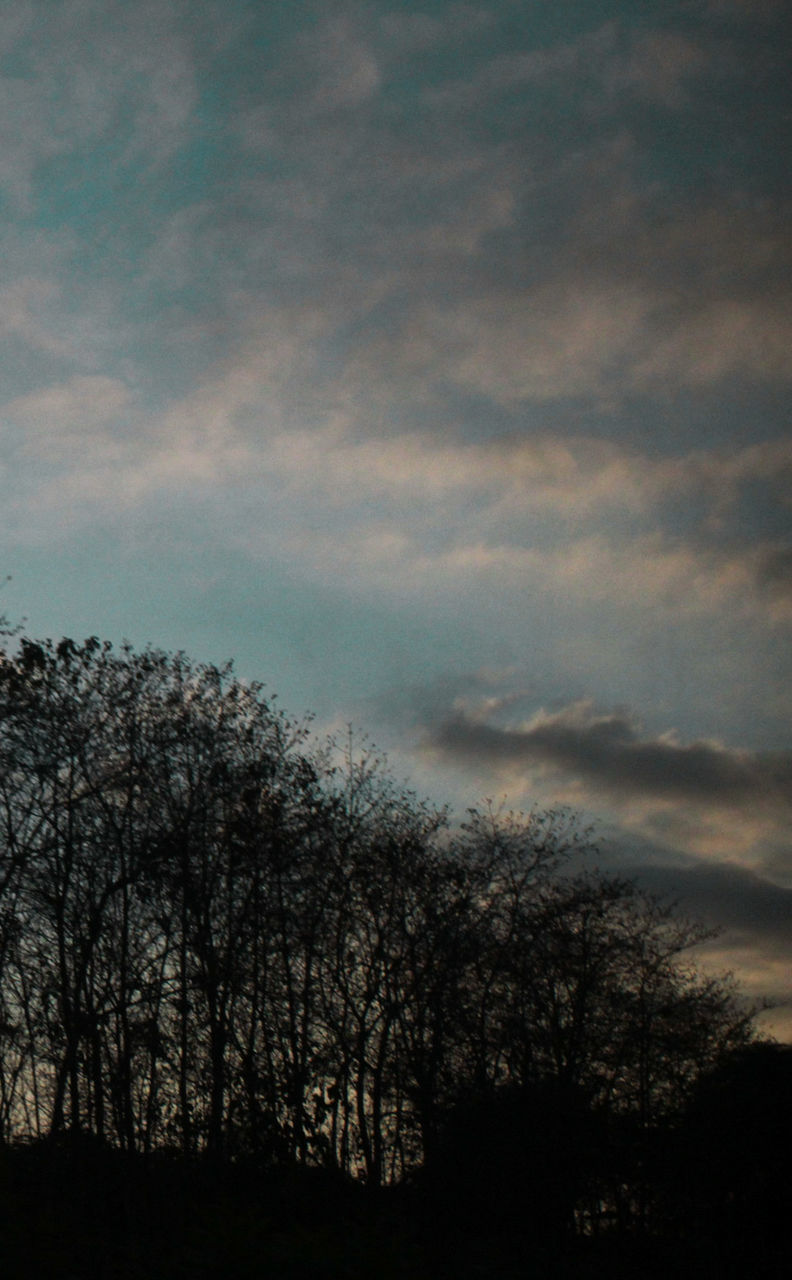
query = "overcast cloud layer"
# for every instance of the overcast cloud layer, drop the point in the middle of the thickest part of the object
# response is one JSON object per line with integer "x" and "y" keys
{"x": 434, "y": 362}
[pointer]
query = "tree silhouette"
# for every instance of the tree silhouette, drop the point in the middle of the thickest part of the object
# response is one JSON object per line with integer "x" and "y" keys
{"x": 223, "y": 939}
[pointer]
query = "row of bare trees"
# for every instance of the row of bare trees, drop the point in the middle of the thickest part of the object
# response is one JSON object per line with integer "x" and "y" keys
{"x": 217, "y": 937}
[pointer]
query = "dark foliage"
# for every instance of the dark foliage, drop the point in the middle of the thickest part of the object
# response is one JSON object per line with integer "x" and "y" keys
{"x": 731, "y": 1192}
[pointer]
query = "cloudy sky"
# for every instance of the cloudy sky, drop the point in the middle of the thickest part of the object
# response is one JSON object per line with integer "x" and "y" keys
{"x": 433, "y": 362}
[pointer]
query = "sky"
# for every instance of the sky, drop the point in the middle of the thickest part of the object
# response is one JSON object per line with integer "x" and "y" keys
{"x": 432, "y": 361}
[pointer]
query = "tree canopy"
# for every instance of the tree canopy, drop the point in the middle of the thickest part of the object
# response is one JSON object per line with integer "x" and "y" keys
{"x": 220, "y": 937}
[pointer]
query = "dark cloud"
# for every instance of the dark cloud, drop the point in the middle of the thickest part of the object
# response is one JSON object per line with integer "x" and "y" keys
{"x": 732, "y": 898}
{"x": 608, "y": 751}
{"x": 752, "y": 922}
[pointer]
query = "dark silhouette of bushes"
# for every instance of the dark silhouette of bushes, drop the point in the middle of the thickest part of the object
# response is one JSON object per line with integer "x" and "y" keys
{"x": 729, "y": 1189}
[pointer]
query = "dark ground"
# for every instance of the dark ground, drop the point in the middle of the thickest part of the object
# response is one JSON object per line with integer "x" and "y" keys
{"x": 75, "y": 1211}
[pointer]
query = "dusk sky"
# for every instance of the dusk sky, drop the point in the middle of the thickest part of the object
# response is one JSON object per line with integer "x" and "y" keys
{"x": 432, "y": 361}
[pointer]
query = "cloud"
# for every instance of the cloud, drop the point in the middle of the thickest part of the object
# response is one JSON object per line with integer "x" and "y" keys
{"x": 719, "y": 340}
{"x": 29, "y": 310}
{"x": 409, "y": 32}
{"x": 328, "y": 69}
{"x": 659, "y": 67}
{"x": 90, "y": 451}
{"x": 752, "y": 917}
{"x": 580, "y": 478}
{"x": 741, "y": 902}
{"x": 448, "y": 265}
{"x": 693, "y": 821}
{"x": 773, "y": 567}
{"x": 696, "y": 799}
{"x": 27, "y": 137}
{"x": 68, "y": 423}
{"x": 577, "y": 522}
{"x": 626, "y": 300}
{"x": 607, "y": 750}
{"x": 348, "y": 73}
{"x": 555, "y": 342}
{"x": 106, "y": 73}
{"x": 369, "y": 300}
{"x": 601, "y": 330}
{"x": 601, "y": 67}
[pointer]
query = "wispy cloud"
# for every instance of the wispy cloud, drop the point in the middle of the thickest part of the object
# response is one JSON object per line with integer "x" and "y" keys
{"x": 347, "y": 72}
{"x": 75, "y": 88}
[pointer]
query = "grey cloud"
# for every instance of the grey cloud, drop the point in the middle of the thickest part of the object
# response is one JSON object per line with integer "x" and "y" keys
{"x": 445, "y": 220}
{"x": 27, "y": 136}
{"x": 605, "y": 65}
{"x": 628, "y": 294}
{"x": 752, "y": 918}
{"x": 596, "y": 299}
{"x": 750, "y": 912}
{"x": 409, "y": 32}
{"x": 733, "y": 897}
{"x": 659, "y": 67}
{"x": 608, "y": 751}
{"x": 109, "y": 70}
{"x": 344, "y": 70}
{"x": 774, "y": 570}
